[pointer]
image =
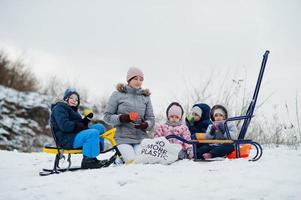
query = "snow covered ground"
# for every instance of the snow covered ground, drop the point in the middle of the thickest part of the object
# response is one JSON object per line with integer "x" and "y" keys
{"x": 277, "y": 175}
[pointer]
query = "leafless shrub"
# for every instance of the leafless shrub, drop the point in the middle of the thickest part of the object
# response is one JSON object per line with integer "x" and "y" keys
{"x": 232, "y": 92}
{"x": 16, "y": 75}
{"x": 99, "y": 104}
{"x": 56, "y": 87}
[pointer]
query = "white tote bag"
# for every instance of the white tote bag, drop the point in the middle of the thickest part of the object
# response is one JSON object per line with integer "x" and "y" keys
{"x": 158, "y": 150}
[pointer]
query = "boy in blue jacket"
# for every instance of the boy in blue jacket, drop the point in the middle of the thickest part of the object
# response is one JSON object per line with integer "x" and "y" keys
{"x": 72, "y": 131}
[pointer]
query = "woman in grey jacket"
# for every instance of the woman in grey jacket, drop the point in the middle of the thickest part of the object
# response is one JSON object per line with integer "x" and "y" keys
{"x": 130, "y": 110}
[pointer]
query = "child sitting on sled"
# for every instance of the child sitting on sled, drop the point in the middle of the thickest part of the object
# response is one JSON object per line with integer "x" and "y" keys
{"x": 174, "y": 125}
{"x": 199, "y": 120}
{"x": 73, "y": 131}
{"x": 217, "y": 131}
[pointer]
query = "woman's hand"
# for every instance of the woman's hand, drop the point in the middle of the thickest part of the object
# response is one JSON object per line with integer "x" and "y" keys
{"x": 142, "y": 126}
{"x": 125, "y": 118}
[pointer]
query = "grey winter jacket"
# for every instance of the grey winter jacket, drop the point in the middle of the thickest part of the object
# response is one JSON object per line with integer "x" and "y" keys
{"x": 218, "y": 135}
{"x": 124, "y": 101}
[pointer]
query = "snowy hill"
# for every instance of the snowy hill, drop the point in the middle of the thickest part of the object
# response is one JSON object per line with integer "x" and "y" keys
{"x": 275, "y": 176}
{"x": 23, "y": 120}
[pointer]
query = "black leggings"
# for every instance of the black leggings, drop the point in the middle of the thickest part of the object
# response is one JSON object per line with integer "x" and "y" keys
{"x": 220, "y": 150}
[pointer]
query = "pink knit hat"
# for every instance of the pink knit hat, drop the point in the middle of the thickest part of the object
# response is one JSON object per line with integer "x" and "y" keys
{"x": 175, "y": 110}
{"x": 132, "y": 72}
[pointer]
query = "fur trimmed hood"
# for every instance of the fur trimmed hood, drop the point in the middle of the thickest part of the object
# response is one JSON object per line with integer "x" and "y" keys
{"x": 126, "y": 89}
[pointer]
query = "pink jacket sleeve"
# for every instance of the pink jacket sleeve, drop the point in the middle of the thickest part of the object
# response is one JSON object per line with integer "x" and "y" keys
{"x": 185, "y": 133}
{"x": 161, "y": 131}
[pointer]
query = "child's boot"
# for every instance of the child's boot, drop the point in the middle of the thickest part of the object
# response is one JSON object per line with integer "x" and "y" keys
{"x": 91, "y": 163}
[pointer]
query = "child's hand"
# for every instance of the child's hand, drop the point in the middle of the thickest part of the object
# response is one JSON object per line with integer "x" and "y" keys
{"x": 212, "y": 130}
{"x": 88, "y": 113}
{"x": 221, "y": 126}
{"x": 190, "y": 118}
{"x": 89, "y": 116}
{"x": 86, "y": 120}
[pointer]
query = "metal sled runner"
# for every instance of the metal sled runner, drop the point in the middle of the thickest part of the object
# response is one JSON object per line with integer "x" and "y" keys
{"x": 59, "y": 154}
{"x": 240, "y": 142}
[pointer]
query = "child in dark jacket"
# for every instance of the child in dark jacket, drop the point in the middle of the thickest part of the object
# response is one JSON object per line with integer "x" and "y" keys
{"x": 217, "y": 131}
{"x": 199, "y": 120}
{"x": 72, "y": 131}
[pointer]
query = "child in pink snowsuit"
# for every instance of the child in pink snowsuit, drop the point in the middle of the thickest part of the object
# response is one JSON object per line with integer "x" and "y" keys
{"x": 175, "y": 125}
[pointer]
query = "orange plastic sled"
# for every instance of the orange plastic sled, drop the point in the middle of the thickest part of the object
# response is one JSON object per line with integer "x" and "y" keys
{"x": 244, "y": 152}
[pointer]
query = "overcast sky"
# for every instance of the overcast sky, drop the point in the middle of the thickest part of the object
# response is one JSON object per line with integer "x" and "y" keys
{"x": 95, "y": 42}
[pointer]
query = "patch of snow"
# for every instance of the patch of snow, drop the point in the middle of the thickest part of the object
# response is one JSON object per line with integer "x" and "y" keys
{"x": 24, "y": 99}
{"x": 275, "y": 176}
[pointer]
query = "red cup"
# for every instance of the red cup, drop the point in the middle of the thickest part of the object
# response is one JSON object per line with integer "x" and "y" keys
{"x": 133, "y": 116}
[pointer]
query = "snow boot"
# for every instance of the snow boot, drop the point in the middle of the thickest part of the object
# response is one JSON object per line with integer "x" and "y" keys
{"x": 92, "y": 163}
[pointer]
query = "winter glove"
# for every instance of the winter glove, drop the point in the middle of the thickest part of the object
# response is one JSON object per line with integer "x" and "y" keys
{"x": 79, "y": 126}
{"x": 190, "y": 118}
{"x": 89, "y": 116}
{"x": 125, "y": 118}
{"x": 221, "y": 127}
{"x": 143, "y": 125}
{"x": 86, "y": 120}
{"x": 88, "y": 112}
{"x": 212, "y": 130}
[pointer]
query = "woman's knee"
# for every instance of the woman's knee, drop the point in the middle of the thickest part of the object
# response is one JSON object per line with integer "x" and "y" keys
{"x": 127, "y": 152}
